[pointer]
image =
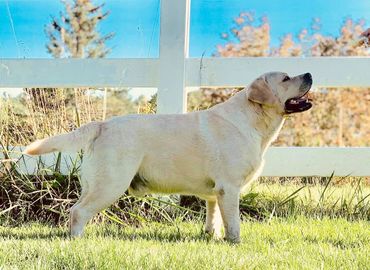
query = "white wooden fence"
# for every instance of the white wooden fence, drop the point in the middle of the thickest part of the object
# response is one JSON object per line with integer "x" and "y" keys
{"x": 173, "y": 71}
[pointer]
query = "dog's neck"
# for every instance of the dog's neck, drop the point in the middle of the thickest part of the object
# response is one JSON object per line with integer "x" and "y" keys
{"x": 267, "y": 121}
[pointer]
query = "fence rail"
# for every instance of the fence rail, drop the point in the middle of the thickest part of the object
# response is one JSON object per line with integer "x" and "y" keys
{"x": 173, "y": 71}
{"x": 205, "y": 72}
{"x": 280, "y": 161}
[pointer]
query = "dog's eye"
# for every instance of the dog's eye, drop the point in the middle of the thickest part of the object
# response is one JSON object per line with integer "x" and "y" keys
{"x": 286, "y": 78}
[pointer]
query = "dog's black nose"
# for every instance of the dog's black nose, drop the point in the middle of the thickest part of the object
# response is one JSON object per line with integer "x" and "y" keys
{"x": 307, "y": 77}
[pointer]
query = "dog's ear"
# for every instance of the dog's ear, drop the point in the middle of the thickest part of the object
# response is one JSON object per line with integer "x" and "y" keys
{"x": 260, "y": 92}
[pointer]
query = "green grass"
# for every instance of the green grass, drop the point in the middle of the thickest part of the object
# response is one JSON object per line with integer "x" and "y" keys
{"x": 349, "y": 200}
{"x": 302, "y": 243}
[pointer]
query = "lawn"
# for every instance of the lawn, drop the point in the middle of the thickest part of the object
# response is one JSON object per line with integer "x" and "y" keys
{"x": 292, "y": 243}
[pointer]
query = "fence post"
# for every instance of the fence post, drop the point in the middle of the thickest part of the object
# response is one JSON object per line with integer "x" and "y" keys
{"x": 173, "y": 50}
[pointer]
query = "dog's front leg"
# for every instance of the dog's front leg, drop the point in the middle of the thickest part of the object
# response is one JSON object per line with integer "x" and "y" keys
{"x": 213, "y": 219}
{"x": 228, "y": 201}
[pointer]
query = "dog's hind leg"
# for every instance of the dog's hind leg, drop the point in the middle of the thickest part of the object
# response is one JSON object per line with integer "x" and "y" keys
{"x": 102, "y": 187}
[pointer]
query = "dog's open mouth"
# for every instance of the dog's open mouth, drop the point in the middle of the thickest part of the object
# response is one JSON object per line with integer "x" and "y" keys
{"x": 298, "y": 104}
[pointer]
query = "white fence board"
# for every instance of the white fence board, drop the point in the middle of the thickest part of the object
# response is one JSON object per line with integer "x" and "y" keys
{"x": 326, "y": 71}
{"x": 44, "y": 164}
{"x": 280, "y": 161}
{"x": 173, "y": 51}
{"x": 78, "y": 72}
{"x": 320, "y": 161}
{"x": 213, "y": 72}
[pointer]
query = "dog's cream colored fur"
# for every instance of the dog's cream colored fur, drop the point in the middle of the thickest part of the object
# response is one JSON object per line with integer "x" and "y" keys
{"x": 212, "y": 154}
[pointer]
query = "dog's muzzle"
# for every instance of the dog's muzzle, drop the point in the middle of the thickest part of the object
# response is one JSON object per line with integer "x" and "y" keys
{"x": 301, "y": 103}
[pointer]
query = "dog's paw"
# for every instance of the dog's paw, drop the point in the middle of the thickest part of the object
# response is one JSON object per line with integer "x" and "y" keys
{"x": 232, "y": 240}
{"x": 217, "y": 235}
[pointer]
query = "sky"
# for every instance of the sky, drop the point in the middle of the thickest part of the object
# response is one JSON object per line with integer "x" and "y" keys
{"x": 136, "y": 23}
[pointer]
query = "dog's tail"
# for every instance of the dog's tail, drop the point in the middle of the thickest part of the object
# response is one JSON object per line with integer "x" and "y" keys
{"x": 78, "y": 139}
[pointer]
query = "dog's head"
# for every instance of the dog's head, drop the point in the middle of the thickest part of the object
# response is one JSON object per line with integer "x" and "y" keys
{"x": 286, "y": 94}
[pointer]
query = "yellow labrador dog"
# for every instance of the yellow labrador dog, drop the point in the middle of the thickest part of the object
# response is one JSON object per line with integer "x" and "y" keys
{"x": 212, "y": 154}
